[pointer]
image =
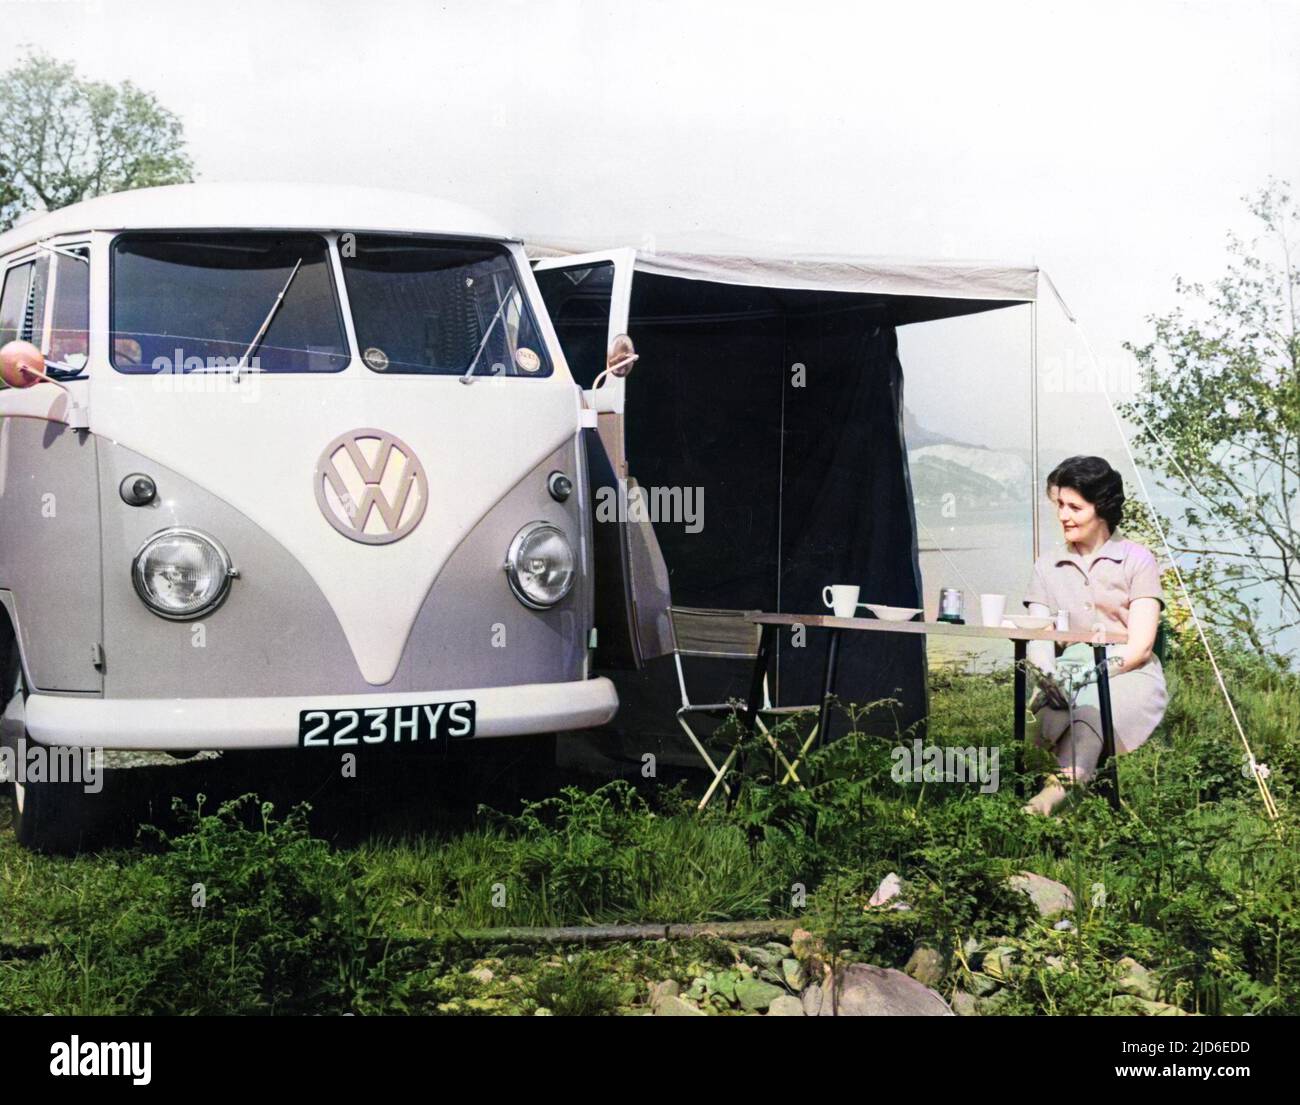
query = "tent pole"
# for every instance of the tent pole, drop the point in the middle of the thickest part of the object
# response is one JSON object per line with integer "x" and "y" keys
{"x": 1033, "y": 420}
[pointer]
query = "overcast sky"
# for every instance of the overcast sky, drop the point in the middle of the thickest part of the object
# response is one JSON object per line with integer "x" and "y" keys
{"x": 1109, "y": 143}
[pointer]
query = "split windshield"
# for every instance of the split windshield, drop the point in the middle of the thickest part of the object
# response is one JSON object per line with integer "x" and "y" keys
{"x": 211, "y": 302}
{"x": 439, "y": 308}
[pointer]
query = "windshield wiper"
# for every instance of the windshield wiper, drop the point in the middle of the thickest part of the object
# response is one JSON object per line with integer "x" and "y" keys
{"x": 266, "y": 324}
{"x": 469, "y": 372}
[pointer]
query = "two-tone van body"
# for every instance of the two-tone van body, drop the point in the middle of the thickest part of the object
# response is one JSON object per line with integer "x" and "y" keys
{"x": 305, "y": 468}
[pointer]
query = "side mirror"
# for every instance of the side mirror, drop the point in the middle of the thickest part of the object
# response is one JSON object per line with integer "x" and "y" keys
{"x": 21, "y": 364}
{"x": 622, "y": 356}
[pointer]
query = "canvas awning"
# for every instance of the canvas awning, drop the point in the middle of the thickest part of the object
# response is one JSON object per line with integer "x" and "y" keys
{"x": 915, "y": 290}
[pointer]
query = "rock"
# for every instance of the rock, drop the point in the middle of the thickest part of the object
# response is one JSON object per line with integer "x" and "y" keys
{"x": 865, "y": 990}
{"x": 674, "y": 1006}
{"x": 998, "y": 961}
{"x": 762, "y": 957}
{"x": 1143, "y": 1008}
{"x": 482, "y": 974}
{"x": 755, "y": 995}
{"x": 792, "y": 974}
{"x": 926, "y": 966}
{"x": 785, "y": 1006}
{"x": 964, "y": 1004}
{"x": 887, "y": 893}
{"x": 1049, "y": 896}
{"x": 1064, "y": 925}
{"x": 1137, "y": 980}
{"x": 1055, "y": 962}
{"x": 781, "y": 951}
{"x": 806, "y": 946}
{"x": 542, "y": 1011}
{"x": 725, "y": 984}
{"x": 891, "y": 886}
{"x": 982, "y": 985}
{"x": 669, "y": 988}
{"x": 811, "y": 954}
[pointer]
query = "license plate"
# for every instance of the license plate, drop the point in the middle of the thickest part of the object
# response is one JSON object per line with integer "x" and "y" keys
{"x": 433, "y": 724}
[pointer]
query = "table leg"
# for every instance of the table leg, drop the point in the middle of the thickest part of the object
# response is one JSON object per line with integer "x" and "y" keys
{"x": 1020, "y": 717}
{"x": 756, "y": 680}
{"x": 755, "y": 702}
{"x": 1107, "y": 727}
{"x": 828, "y": 687}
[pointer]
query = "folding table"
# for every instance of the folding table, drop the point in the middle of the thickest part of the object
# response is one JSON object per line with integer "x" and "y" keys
{"x": 1099, "y": 638}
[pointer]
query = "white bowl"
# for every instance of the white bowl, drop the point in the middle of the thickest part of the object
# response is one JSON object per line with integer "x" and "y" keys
{"x": 892, "y": 613}
{"x": 1027, "y": 621}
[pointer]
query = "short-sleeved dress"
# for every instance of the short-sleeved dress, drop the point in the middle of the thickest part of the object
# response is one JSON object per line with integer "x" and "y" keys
{"x": 1097, "y": 591}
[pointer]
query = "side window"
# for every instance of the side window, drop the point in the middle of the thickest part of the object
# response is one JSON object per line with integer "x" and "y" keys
{"x": 579, "y": 301}
{"x": 69, "y": 340}
{"x": 13, "y": 302}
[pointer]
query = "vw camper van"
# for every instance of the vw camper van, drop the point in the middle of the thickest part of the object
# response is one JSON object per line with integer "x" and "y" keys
{"x": 286, "y": 467}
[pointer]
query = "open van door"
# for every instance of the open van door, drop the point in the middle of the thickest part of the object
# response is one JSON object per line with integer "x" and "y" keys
{"x": 588, "y": 296}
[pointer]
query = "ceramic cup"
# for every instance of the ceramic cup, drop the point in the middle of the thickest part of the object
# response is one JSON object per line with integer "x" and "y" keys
{"x": 992, "y": 607}
{"x": 842, "y": 598}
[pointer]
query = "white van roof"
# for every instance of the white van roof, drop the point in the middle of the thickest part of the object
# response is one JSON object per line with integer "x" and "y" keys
{"x": 258, "y": 206}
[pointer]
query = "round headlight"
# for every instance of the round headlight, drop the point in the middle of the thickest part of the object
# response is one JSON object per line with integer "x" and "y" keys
{"x": 540, "y": 565}
{"x": 181, "y": 573}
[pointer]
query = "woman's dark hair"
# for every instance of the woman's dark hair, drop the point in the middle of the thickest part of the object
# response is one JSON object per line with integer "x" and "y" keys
{"x": 1097, "y": 482}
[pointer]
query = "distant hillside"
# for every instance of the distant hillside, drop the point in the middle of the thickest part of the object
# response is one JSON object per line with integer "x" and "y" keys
{"x": 917, "y": 436}
{"x": 942, "y": 465}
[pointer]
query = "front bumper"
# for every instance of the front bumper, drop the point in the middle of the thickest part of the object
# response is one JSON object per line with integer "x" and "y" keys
{"x": 190, "y": 724}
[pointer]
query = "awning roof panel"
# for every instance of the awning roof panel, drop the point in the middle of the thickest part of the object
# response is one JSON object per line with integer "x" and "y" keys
{"x": 937, "y": 289}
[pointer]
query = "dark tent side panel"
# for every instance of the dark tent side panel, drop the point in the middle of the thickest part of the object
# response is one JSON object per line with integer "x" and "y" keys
{"x": 778, "y": 415}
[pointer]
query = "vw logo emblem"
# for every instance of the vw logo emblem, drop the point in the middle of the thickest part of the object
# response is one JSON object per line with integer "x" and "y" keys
{"x": 371, "y": 487}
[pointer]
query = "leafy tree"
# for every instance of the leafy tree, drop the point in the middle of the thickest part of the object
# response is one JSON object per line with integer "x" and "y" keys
{"x": 1219, "y": 419}
{"x": 66, "y": 139}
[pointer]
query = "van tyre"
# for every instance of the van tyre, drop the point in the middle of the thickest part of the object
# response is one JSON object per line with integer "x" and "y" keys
{"x": 53, "y": 817}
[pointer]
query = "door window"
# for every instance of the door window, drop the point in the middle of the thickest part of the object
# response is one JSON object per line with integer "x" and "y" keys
{"x": 69, "y": 337}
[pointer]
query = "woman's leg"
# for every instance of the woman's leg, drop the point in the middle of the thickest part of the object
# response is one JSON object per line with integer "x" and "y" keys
{"x": 1079, "y": 749}
{"x": 1077, "y": 753}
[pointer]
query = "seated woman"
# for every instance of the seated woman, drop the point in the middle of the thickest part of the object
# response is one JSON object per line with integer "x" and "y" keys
{"x": 1103, "y": 580}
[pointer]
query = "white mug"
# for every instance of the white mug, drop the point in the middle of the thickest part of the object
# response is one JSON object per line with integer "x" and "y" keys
{"x": 992, "y": 607}
{"x": 842, "y": 598}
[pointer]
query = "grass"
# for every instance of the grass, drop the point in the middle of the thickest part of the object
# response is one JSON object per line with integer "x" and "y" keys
{"x": 237, "y": 907}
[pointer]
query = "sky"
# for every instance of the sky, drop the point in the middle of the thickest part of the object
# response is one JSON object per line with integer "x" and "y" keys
{"x": 1109, "y": 143}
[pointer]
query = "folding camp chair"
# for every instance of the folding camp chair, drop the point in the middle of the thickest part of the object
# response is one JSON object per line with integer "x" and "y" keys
{"x": 723, "y": 635}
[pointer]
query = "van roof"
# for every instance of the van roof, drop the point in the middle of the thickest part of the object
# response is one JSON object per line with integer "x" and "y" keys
{"x": 257, "y": 206}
